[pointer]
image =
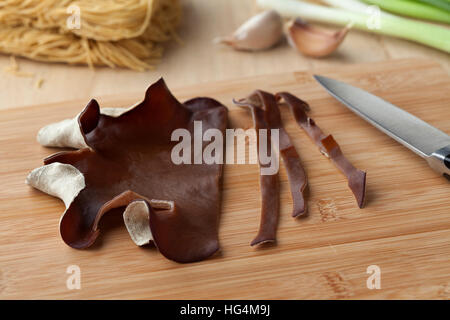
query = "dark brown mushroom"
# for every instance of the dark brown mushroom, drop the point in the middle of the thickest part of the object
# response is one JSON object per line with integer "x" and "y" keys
{"x": 327, "y": 145}
{"x": 129, "y": 159}
{"x": 266, "y": 115}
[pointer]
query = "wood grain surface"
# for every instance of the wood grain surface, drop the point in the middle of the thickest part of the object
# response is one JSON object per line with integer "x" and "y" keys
{"x": 198, "y": 60}
{"x": 404, "y": 228}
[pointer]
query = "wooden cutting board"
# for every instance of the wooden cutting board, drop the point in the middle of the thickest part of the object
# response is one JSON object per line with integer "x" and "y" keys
{"x": 404, "y": 228}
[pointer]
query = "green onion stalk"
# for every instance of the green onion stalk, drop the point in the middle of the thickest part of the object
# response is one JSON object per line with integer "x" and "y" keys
{"x": 428, "y": 34}
{"x": 413, "y": 9}
{"x": 442, "y": 4}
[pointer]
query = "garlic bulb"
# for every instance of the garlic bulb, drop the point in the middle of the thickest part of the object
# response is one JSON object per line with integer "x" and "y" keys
{"x": 312, "y": 41}
{"x": 258, "y": 33}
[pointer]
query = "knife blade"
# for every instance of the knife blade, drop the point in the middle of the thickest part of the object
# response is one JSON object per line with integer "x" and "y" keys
{"x": 425, "y": 140}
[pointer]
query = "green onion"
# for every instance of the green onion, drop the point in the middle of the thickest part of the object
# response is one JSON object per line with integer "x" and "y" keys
{"x": 352, "y": 5}
{"x": 442, "y": 4}
{"x": 413, "y": 9}
{"x": 425, "y": 33}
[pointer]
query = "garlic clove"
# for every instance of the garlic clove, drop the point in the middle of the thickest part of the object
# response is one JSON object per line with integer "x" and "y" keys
{"x": 312, "y": 41}
{"x": 258, "y": 33}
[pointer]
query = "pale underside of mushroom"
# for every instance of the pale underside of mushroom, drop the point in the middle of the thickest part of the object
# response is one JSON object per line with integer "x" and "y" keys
{"x": 67, "y": 133}
{"x": 65, "y": 182}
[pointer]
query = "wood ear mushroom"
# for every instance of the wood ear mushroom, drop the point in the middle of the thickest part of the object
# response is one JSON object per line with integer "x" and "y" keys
{"x": 126, "y": 163}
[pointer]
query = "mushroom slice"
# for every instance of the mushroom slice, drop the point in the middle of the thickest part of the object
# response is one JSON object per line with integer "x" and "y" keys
{"x": 266, "y": 115}
{"x": 327, "y": 145}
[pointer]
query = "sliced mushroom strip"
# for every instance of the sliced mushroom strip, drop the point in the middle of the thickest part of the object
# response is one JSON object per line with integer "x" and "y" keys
{"x": 128, "y": 163}
{"x": 327, "y": 145}
{"x": 266, "y": 115}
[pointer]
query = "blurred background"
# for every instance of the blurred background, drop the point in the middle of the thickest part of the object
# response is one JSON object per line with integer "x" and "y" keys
{"x": 193, "y": 59}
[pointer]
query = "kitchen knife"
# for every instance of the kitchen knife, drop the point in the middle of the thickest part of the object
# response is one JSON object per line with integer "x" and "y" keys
{"x": 425, "y": 140}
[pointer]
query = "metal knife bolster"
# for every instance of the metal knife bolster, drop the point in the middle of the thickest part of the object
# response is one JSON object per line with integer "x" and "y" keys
{"x": 440, "y": 161}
